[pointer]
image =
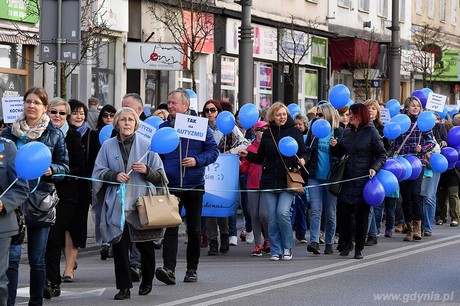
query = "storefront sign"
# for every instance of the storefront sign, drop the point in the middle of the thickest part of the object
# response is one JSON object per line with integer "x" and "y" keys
{"x": 319, "y": 51}
{"x": 227, "y": 71}
{"x": 295, "y": 45}
{"x": 154, "y": 56}
{"x": 114, "y": 14}
{"x": 201, "y": 26}
{"x": 265, "y": 76}
{"x": 24, "y": 11}
{"x": 265, "y": 40}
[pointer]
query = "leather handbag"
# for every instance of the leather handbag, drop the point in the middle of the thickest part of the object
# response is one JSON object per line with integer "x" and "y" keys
{"x": 19, "y": 238}
{"x": 158, "y": 211}
{"x": 40, "y": 207}
{"x": 336, "y": 175}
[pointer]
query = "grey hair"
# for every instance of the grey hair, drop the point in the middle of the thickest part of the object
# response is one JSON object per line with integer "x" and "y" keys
{"x": 135, "y": 96}
{"x": 185, "y": 97}
{"x": 59, "y": 101}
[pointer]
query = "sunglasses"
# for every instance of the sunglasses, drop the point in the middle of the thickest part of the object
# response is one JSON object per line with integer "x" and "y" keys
{"x": 108, "y": 115}
{"x": 210, "y": 110}
{"x": 55, "y": 112}
{"x": 319, "y": 115}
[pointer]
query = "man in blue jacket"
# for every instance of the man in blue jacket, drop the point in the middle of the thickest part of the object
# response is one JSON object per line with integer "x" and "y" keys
{"x": 185, "y": 168}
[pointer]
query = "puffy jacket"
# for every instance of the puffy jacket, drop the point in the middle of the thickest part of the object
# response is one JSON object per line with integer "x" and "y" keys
{"x": 364, "y": 145}
{"x": 273, "y": 171}
{"x": 204, "y": 152}
{"x": 253, "y": 171}
{"x": 54, "y": 139}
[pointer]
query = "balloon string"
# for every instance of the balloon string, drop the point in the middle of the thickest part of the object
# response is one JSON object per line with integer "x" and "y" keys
{"x": 11, "y": 185}
{"x": 212, "y": 190}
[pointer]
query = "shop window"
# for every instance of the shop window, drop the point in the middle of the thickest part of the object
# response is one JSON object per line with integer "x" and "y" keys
{"x": 103, "y": 73}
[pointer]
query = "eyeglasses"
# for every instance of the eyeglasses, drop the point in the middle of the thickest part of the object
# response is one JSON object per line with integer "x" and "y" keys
{"x": 210, "y": 110}
{"x": 35, "y": 102}
{"x": 319, "y": 115}
{"x": 260, "y": 129}
{"x": 55, "y": 112}
{"x": 108, "y": 115}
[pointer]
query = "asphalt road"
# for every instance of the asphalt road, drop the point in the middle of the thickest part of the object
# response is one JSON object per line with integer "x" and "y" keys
{"x": 392, "y": 272}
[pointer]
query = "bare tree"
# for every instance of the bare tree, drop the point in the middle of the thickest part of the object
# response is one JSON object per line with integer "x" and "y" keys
{"x": 94, "y": 35}
{"x": 190, "y": 24}
{"x": 293, "y": 48}
{"x": 428, "y": 46}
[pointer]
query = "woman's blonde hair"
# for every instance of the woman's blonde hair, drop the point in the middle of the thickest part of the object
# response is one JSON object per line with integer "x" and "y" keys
{"x": 127, "y": 110}
{"x": 374, "y": 103}
{"x": 274, "y": 109}
{"x": 329, "y": 113}
{"x": 59, "y": 101}
{"x": 161, "y": 112}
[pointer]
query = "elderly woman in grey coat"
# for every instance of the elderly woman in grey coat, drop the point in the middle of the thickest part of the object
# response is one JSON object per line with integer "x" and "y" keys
{"x": 121, "y": 160}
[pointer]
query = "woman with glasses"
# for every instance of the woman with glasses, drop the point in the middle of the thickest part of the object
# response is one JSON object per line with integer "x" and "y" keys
{"x": 319, "y": 165}
{"x": 68, "y": 198}
{"x": 105, "y": 116}
{"x": 35, "y": 125}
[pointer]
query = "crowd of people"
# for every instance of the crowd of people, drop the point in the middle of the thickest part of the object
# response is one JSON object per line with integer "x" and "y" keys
{"x": 110, "y": 177}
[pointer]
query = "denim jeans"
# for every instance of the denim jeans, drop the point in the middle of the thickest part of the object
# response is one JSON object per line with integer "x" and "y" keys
{"x": 279, "y": 221}
{"x": 321, "y": 199}
{"x": 36, "y": 246}
{"x": 375, "y": 220}
{"x": 429, "y": 191}
{"x": 390, "y": 207}
{"x": 12, "y": 272}
{"x": 299, "y": 215}
{"x": 4, "y": 250}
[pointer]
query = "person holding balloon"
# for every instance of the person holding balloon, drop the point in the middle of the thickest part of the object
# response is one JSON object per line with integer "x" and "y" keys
{"x": 35, "y": 125}
{"x": 273, "y": 179}
{"x": 121, "y": 160}
{"x": 14, "y": 191}
{"x": 325, "y": 126}
{"x": 366, "y": 153}
{"x": 414, "y": 142}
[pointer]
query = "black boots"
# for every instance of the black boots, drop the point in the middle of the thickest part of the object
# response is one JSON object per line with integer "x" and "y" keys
{"x": 213, "y": 248}
{"x": 123, "y": 294}
{"x": 224, "y": 243}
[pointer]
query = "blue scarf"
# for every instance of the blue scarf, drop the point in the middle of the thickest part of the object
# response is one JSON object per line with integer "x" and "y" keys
{"x": 83, "y": 128}
{"x": 65, "y": 128}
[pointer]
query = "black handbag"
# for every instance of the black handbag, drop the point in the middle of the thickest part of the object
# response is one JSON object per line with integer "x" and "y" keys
{"x": 19, "y": 238}
{"x": 40, "y": 207}
{"x": 336, "y": 175}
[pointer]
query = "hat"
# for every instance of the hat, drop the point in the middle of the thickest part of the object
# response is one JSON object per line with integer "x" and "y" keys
{"x": 260, "y": 124}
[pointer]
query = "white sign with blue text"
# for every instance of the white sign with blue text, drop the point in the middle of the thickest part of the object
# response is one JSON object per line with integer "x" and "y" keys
{"x": 146, "y": 130}
{"x": 12, "y": 108}
{"x": 191, "y": 127}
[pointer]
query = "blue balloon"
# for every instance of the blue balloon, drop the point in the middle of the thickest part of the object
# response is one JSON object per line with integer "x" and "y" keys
{"x": 388, "y": 181}
{"x": 453, "y": 136}
{"x": 421, "y": 96}
{"x": 248, "y": 115}
{"x": 225, "y": 122}
{"x": 403, "y": 120}
{"x": 165, "y": 140}
{"x": 391, "y": 130}
{"x": 294, "y": 109}
{"x": 105, "y": 133}
{"x": 438, "y": 162}
{"x": 393, "y": 106}
{"x": 451, "y": 155}
{"x": 350, "y": 102}
{"x": 426, "y": 121}
{"x": 32, "y": 160}
{"x": 416, "y": 166}
{"x": 452, "y": 112}
{"x": 321, "y": 128}
{"x": 373, "y": 192}
{"x": 426, "y": 91}
{"x": 442, "y": 114}
{"x": 288, "y": 146}
{"x": 339, "y": 95}
{"x": 147, "y": 110}
{"x": 394, "y": 166}
{"x": 154, "y": 121}
{"x": 407, "y": 167}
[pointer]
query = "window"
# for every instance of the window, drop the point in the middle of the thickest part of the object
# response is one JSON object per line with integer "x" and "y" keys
{"x": 383, "y": 8}
{"x": 364, "y": 5}
{"x": 344, "y": 3}
{"x": 103, "y": 73}
{"x": 431, "y": 9}
{"x": 402, "y": 10}
{"x": 453, "y": 11}
{"x": 418, "y": 7}
{"x": 442, "y": 10}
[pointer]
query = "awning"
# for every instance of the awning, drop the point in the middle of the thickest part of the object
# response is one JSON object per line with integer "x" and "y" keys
{"x": 352, "y": 53}
{"x": 18, "y": 39}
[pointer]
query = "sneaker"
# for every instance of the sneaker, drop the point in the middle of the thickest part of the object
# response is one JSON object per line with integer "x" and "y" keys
{"x": 275, "y": 257}
{"x": 287, "y": 254}
{"x": 427, "y": 234}
{"x": 371, "y": 240}
{"x": 313, "y": 248}
{"x": 439, "y": 222}
{"x": 302, "y": 239}
{"x": 257, "y": 251}
{"x": 190, "y": 276}
{"x": 233, "y": 240}
{"x": 321, "y": 237}
{"x": 454, "y": 223}
{"x": 389, "y": 233}
{"x": 267, "y": 246}
{"x": 165, "y": 275}
{"x": 243, "y": 235}
{"x": 250, "y": 237}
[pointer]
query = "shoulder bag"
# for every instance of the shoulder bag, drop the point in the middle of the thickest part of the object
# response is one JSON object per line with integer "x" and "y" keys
{"x": 337, "y": 172}
{"x": 40, "y": 207}
{"x": 158, "y": 211}
{"x": 294, "y": 180}
{"x": 19, "y": 238}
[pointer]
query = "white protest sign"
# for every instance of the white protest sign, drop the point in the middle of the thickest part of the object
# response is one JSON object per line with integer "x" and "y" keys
{"x": 458, "y": 104}
{"x": 146, "y": 130}
{"x": 191, "y": 127}
{"x": 12, "y": 108}
{"x": 385, "y": 115}
{"x": 435, "y": 102}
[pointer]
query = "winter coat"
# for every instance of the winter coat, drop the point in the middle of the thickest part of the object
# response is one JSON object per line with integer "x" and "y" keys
{"x": 253, "y": 171}
{"x": 365, "y": 149}
{"x": 273, "y": 171}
